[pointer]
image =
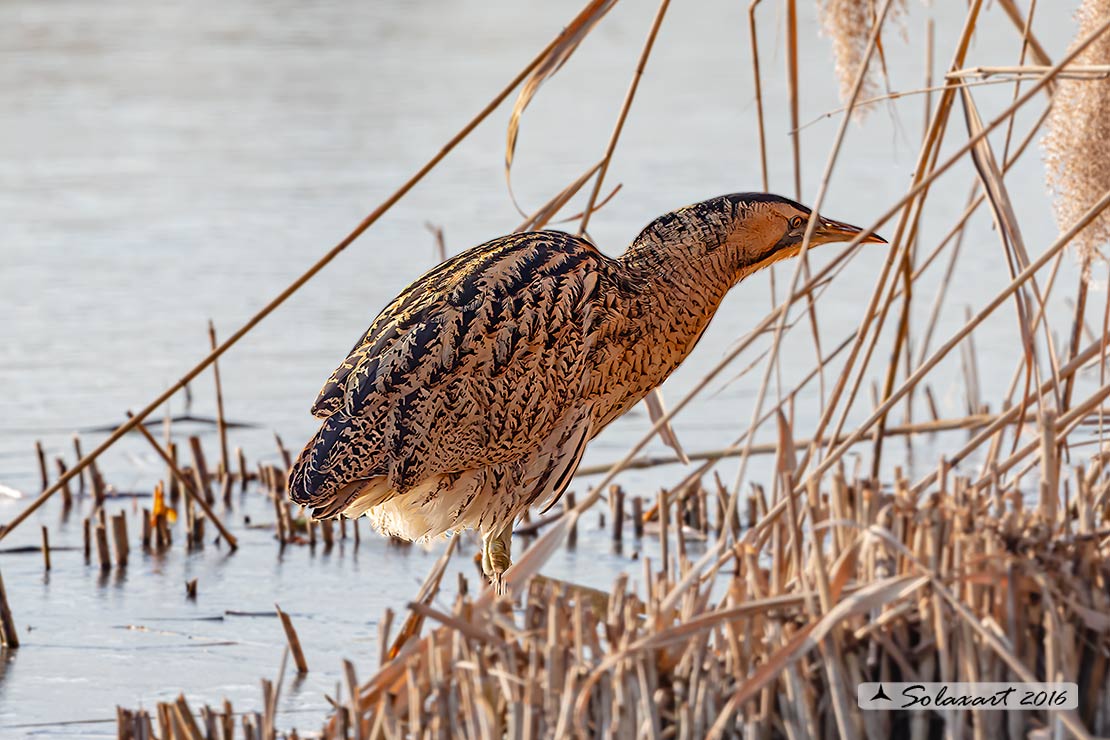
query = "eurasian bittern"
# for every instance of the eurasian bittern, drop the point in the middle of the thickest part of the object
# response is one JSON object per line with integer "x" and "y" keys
{"x": 474, "y": 393}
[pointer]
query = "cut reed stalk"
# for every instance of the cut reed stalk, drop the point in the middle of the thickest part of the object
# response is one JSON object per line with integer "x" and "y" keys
{"x": 221, "y": 424}
{"x": 119, "y": 534}
{"x": 104, "y": 556}
{"x": 67, "y": 494}
{"x": 293, "y": 640}
{"x": 9, "y": 636}
{"x": 44, "y": 477}
{"x": 187, "y": 484}
{"x": 200, "y": 468}
{"x": 45, "y": 548}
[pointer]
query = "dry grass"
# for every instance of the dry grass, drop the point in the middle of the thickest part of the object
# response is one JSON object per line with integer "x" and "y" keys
{"x": 1077, "y": 145}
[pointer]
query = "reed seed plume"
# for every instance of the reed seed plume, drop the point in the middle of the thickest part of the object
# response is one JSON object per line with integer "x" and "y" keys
{"x": 1077, "y": 145}
{"x": 849, "y": 24}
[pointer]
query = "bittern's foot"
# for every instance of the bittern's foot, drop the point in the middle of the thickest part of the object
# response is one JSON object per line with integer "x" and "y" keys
{"x": 496, "y": 556}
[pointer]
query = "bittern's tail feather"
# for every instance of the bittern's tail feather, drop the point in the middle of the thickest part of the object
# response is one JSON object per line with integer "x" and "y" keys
{"x": 319, "y": 474}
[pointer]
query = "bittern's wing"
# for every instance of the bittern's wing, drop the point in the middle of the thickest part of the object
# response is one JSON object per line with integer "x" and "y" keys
{"x": 421, "y": 297}
{"x": 474, "y": 364}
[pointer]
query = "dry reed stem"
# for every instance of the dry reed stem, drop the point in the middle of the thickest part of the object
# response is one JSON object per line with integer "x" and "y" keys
{"x": 293, "y": 640}
{"x": 625, "y": 107}
{"x": 191, "y": 491}
{"x": 921, "y": 371}
{"x": 45, "y": 548}
{"x": 547, "y": 211}
{"x": 791, "y": 55}
{"x": 810, "y": 229}
{"x": 9, "y": 635}
{"x": 657, "y": 409}
{"x": 758, "y": 82}
{"x": 221, "y": 424}
{"x": 550, "y": 61}
{"x": 1033, "y": 71}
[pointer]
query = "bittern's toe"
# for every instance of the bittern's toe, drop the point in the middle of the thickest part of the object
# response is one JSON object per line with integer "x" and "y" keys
{"x": 487, "y": 565}
{"x": 497, "y": 556}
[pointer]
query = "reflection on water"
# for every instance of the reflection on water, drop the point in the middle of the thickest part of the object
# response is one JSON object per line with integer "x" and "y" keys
{"x": 162, "y": 164}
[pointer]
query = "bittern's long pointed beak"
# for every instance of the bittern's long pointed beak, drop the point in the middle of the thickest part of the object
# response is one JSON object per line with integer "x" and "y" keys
{"x": 835, "y": 231}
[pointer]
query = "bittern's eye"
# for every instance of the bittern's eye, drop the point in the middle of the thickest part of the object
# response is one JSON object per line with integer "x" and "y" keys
{"x": 796, "y": 222}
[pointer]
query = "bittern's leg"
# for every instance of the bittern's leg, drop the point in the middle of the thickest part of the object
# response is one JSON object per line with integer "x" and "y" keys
{"x": 496, "y": 554}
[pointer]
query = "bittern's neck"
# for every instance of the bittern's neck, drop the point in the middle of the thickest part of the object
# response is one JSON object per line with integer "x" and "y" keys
{"x": 674, "y": 287}
{"x": 665, "y": 301}
{"x": 687, "y": 264}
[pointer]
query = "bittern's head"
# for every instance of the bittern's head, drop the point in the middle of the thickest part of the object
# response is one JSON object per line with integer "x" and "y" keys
{"x": 742, "y": 232}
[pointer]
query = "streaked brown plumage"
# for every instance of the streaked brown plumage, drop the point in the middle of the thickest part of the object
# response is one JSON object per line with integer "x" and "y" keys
{"x": 474, "y": 393}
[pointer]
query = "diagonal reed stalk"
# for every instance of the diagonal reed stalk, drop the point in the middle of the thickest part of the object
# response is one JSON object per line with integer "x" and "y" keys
{"x": 546, "y": 544}
{"x": 964, "y": 331}
{"x": 810, "y": 229}
{"x": 292, "y": 288}
{"x": 901, "y": 241}
{"x": 625, "y": 107}
{"x": 923, "y": 184}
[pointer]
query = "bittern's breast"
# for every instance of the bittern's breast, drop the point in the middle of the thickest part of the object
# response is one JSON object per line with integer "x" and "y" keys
{"x": 646, "y": 337}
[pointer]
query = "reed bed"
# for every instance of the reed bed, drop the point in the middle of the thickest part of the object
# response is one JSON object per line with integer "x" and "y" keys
{"x": 768, "y": 637}
{"x": 769, "y": 601}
